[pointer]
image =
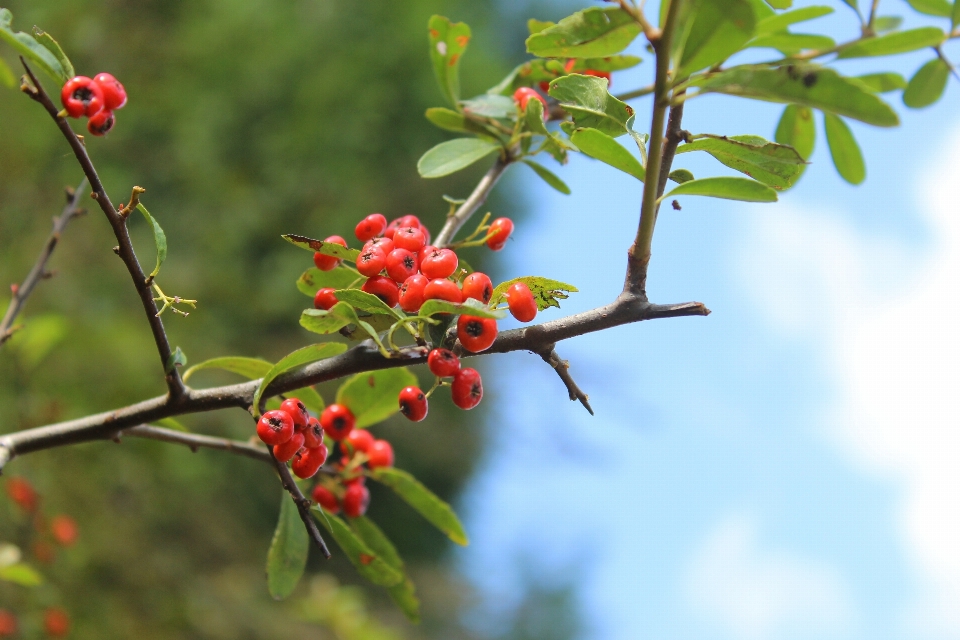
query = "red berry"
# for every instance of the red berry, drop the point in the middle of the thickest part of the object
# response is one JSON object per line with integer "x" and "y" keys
{"x": 114, "y": 95}
{"x": 370, "y": 227}
{"x": 443, "y": 289}
{"x": 425, "y": 251}
{"x": 285, "y": 452}
{"x": 383, "y": 242}
{"x": 600, "y": 74}
{"x": 306, "y": 462}
{"x": 8, "y": 624}
{"x": 409, "y": 238}
{"x": 476, "y": 334}
{"x": 297, "y": 411}
{"x": 313, "y": 434}
{"x": 467, "y": 388}
{"x": 477, "y": 286}
{"x": 413, "y": 404}
{"x": 522, "y": 305}
{"x": 325, "y": 299}
{"x": 371, "y": 261}
{"x": 439, "y": 263}
{"x": 101, "y": 122}
{"x": 409, "y": 220}
{"x": 443, "y": 363}
{"x": 384, "y": 288}
{"x": 356, "y": 499}
{"x": 380, "y": 454}
{"x": 275, "y": 427}
{"x": 411, "y": 293}
{"x": 391, "y": 229}
{"x": 545, "y": 86}
{"x": 523, "y": 95}
{"x": 571, "y": 63}
{"x": 326, "y": 499}
{"x": 337, "y": 421}
{"x": 81, "y": 96}
{"x": 401, "y": 264}
{"x": 325, "y": 262}
{"x": 360, "y": 440}
{"x": 500, "y": 230}
{"x": 64, "y": 530}
{"x": 22, "y": 493}
{"x": 56, "y": 622}
{"x": 426, "y": 234}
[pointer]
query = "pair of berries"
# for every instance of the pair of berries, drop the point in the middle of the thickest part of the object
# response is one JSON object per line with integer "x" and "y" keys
{"x": 467, "y": 387}
{"x": 354, "y": 501}
{"x": 97, "y": 98}
{"x": 295, "y": 437}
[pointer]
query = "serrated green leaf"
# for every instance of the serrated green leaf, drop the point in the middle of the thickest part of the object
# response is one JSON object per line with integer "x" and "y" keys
{"x": 586, "y": 99}
{"x": 53, "y": 47}
{"x": 773, "y": 164}
{"x": 940, "y": 8}
{"x": 367, "y": 302}
{"x": 599, "y": 145}
{"x": 471, "y": 308}
{"x": 159, "y": 238}
{"x": 548, "y": 176}
{"x": 546, "y": 292}
{"x": 27, "y": 46}
{"x": 21, "y": 574}
{"x": 450, "y": 120}
{"x": 319, "y": 246}
{"x": 327, "y": 322}
{"x": 298, "y": 358}
{"x": 726, "y": 188}
{"x": 796, "y": 129}
{"x": 7, "y": 78}
{"x": 720, "y": 29}
{"x": 927, "y": 84}
{"x": 372, "y": 396}
{"x": 250, "y": 368}
{"x": 367, "y": 562}
{"x": 403, "y": 594}
{"x": 804, "y": 84}
{"x": 883, "y": 24}
{"x": 893, "y": 43}
{"x": 453, "y": 155}
{"x": 177, "y": 359}
{"x": 883, "y": 82}
{"x": 313, "y": 279}
{"x": 287, "y": 557}
{"x": 780, "y": 21}
{"x": 591, "y": 33}
{"x": 681, "y": 175}
{"x": 435, "y": 510}
{"x": 448, "y": 41}
{"x": 844, "y": 149}
{"x": 791, "y": 43}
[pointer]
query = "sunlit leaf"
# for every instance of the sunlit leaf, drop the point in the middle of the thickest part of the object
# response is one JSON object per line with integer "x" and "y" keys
{"x": 250, "y": 368}
{"x": 27, "y": 46}
{"x": 435, "y": 510}
{"x": 599, "y": 145}
{"x": 450, "y": 120}
{"x": 546, "y": 292}
{"x": 844, "y": 150}
{"x": 548, "y": 176}
{"x": 586, "y": 99}
{"x": 21, "y": 574}
{"x": 289, "y": 548}
{"x": 53, "y": 47}
{"x": 453, "y": 155}
{"x": 726, "y": 188}
{"x": 883, "y": 82}
{"x": 780, "y": 21}
{"x": 319, "y": 246}
{"x": 471, "y": 308}
{"x": 893, "y": 43}
{"x": 159, "y": 238}
{"x": 796, "y": 129}
{"x": 681, "y": 175}
{"x": 940, "y": 8}
{"x": 792, "y": 43}
{"x": 330, "y": 321}
{"x": 313, "y": 279}
{"x": 720, "y": 29}
{"x": 448, "y": 41}
{"x": 773, "y": 164}
{"x": 299, "y": 358}
{"x": 491, "y": 106}
{"x": 367, "y": 302}
{"x": 591, "y": 33}
{"x": 372, "y": 396}
{"x": 882, "y": 24}
{"x": 927, "y": 84}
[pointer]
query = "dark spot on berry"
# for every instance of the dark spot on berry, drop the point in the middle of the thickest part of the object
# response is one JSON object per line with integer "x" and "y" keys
{"x": 487, "y": 293}
{"x": 409, "y": 263}
{"x": 474, "y": 328}
{"x": 83, "y": 94}
{"x": 476, "y": 390}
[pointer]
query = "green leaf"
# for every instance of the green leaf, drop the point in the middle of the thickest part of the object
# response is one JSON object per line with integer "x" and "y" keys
{"x": 927, "y": 84}
{"x": 939, "y": 8}
{"x": 545, "y": 291}
{"x": 792, "y": 43}
{"x": 883, "y": 82}
{"x": 448, "y": 41}
{"x": 170, "y": 423}
{"x": 453, "y": 155}
{"x": 844, "y": 150}
{"x": 363, "y": 301}
{"x": 319, "y": 246}
{"x": 287, "y": 557}
{"x": 608, "y": 64}
{"x": 53, "y": 47}
{"x": 27, "y": 46}
{"x": 313, "y": 279}
{"x": 586, "y": 99}
{"x": 367, "y": 562}
{"x": 491, "y": 106}
{"x": 159, "y": 238}
{"x": 536, "y": 26}
{"x": 805, "y": 84}
{"x": 177, "y": 359}
{"x": 450, "y": 120}
{"x": 773, "y": 164}
{"x": 327, "y": 322}
{"x": 852, "y": 4}
{"x": 887, "y": 23}
{"x": 250, "y": 368}
{"x": 727, "y": 188}
{"x": 372, "y": 396}
{"x": 893, "y": 43}
{"x": 591, "y": 33}
{"x": 780, "y": 21}
{"x": 599, "y": 145}
{"x": 955, "y": 18}
{"x": 681, "y": 175}
{"x": 435, "y": 510}
{"x": 471, "y": 308}
{"x": 548, "y": 177}
{"x": 404, "y": 594}
{"x": 6, "y": 75}
{"x": 796, "y": 129}
{"x": 298, "y": 358}
{"x": 21, "y": 574}
{"x": 720, "y": 29}
{"x": 533, "y": 116}
{"x": 780, "y": 4}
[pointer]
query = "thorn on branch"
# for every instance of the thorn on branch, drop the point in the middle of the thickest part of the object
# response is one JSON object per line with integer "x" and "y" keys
{"x": 562, "y": 367}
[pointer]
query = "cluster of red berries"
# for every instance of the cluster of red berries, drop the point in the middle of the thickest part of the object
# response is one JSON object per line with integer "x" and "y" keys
{"x": 295, "y": 436}
{"x": 56, "y": 622}
{"x": 97, "y": 98}
{"x": 348, "y": 490}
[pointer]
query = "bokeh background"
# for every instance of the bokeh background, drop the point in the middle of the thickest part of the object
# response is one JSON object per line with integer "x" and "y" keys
{"x": 785, "y": 468}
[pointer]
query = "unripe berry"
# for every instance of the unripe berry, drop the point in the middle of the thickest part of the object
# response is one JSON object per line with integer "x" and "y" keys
{"x": 476, "y": 334}
{"x": 81, "y": 96}
{"x": 443, "y": 363}
{"x": 443, "y": 289}
{"x": 386, "y": 244}
{"x": 284, "y": 452}
{"x": 275, "y": 427}
{"x": 380, "y": 454}
{"x": 8, "y": 624}
{"x": 297, "y": 411}
{"x": 337, "y": 421}
{"x": 409, "y": 238}
{"x": 325, "y": 262}
{"x": 326, "y": 499}
{"x": 101, "y": 122}
{"x": 384, "y": 288}
{"x": 478, "y": 286}
{"x": 306, "y": 462}
{"x": 401, "y": 264}
{"x": 371, "y": 261}
{"x": 64, "y": 530}
{"x": 313, "y": 434}
{"x": 356, "y": 499}
{"x": 56, "y": 622}
{"x": 360, "y": 440}
{"x": 325, "y": 299}
{"x": 413, "y": 404}
{"x": 521, "y": 302}
{"x": 439, "y": 263}
{"x": 467, "y": 388}
{"x": 412, "y": 293}
{"x": 114, "y": 95}
{"x": 499, "y": 232}
{"x": 370, "y": 227}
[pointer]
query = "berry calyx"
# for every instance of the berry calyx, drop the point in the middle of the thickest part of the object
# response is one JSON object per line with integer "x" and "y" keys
{"x": 476, "y": 334}
{"x": 356, "y": 499}
{"x": 443, "y": 289}
{"x": 478, "y": 286}
{"x": 521, "y": 302}
{"x": 499, "y": 232}
{"x": 313, "y": 434}
{"x": 81, "y": 96}
{"x": 297, "y": 411}
{"x": 64, "y": 530}
{"x": 439, "y": 263}
{"x": 114, "y": 95}
{"x": 380, "y": 454}
{"x": 467, "y": 388}
{"x": 523, "y": 95}
{"x": 413, "y": 404}
{"x": 337, "y": 421}
{"x": 409, "y": 238}
{"x": 326, "y": 499}
{"x": 56, "y": 622}
{"x": 325, "y": 299}
{"x": 360, "y": 440}
{"x": 412, "y": 293}
{"x": 370, "y": 262}
{"x": 443, "y": 363}
{"x": 325, "y": 262}
{"x": 384, "y": 288}
{"x": 370, "y": 227}
{"x": 306, "y": 462}
{"x": 284, "y": 452}
{"x": 401, "y": 264}
{"x": 101, "y": 122}
{"x": 275, "y": 427}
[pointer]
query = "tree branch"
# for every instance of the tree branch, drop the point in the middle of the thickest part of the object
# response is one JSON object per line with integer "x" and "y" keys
{"x": 38, "y": 272}
{"x": 303, "y": 506}
{"x": 175, "y": 386}
{"x": 562, "y": 367}
{"x": 472, "y": 203}
{"x": 197, "y": 441}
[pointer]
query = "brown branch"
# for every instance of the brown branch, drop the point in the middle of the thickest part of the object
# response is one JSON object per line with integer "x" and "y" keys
{"x": 303, "y": 506}
{"x": 38, "y": 272}
{"x": 674, "y": 136}
{"x": 472, "y": 203}
{"x": 562, "y": 367}
{"x": 175, "y": 386}
{"x": 198, "y": 441}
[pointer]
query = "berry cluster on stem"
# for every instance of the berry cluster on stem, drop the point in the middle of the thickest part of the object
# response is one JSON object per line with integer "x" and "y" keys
{"x": 96, "y": 98}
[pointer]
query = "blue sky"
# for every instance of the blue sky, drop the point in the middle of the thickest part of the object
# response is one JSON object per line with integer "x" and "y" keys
{"x": 787, "y": 467}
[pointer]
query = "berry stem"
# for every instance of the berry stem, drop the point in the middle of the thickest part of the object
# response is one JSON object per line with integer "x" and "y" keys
{"x": 473, "y": 202}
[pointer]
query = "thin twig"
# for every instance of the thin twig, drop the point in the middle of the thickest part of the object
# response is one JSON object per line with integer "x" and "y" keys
{"x": 562, "y": 367}
{"x": 472, "y": 203}
{"x": 38, "y": 272}
{"x": 175, "y": 385}
{"x": 303, "y": 506}
{"x": 197, "y": 441}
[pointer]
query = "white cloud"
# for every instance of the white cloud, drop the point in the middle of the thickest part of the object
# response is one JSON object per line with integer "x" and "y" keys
{"x": 756, "y": 594}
